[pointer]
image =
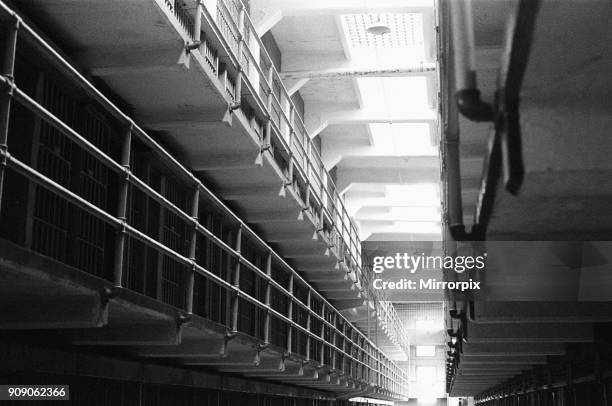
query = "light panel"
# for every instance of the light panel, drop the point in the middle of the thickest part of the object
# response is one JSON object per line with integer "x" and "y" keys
{"x": 405, "y": 139}
{"x": 426, "y": 194}
{"x": 406, "y": 30}
{"x": 397, "y": 96}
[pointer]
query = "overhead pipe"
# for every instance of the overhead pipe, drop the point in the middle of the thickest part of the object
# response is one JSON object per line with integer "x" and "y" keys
{"x": 521, "y": 32}
{"x": 468, "y": 96}
{"x": 504, "y": 155}
{"x": 460, "y": 75}
{"x": 454, "y": 198}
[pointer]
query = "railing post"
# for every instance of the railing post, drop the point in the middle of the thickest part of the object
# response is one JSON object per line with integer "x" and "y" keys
{"x": 197, "y": 35}
{"x": 265, "y": 142}
{"x": 334, "y": 365}
{"x": 306, "y": 206}
{"x": 288, "y": 133}
{"x": 378, "y": 368}
{"x": 160, "y": 233}
{"x": 271, "y": 86}
{"x": 290, "y": 315}
{"x": 308, "y": 324}
{"x": 236, "y": 302}
{"x": 8, "y": 71}
{"x": 195, "y": 207}
{"x": 267, "y": 299}
{"x": 268, "y": 134}
{"x": 241, "y": 39}
{"x": 346, "y": 364}
{"x": 323, "y": 186}
{"x": 120, "y": 241}
{"x": 291, "y": 114}
{"x": 323, "y": 327}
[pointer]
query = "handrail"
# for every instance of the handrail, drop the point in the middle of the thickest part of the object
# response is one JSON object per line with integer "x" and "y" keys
{"x": 341, "y": 221}
{"x": 28, "y": 102}
{"x": 313, "y": 151}
{"x": 44, "y": 181}
{"x": 61, "y": 64}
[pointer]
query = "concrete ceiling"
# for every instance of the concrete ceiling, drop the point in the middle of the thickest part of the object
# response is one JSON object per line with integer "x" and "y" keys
{"x": 564, "y": 179}
{"x": 317, "y": 60}
{"x": 339, "y": 91}
{"x": 391, "y": 192}
{"x": 565, "y": 120}
{"x": 310, "y": 34}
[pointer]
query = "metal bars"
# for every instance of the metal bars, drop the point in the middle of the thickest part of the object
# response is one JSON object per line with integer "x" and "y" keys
{"x": 290, "y": 128}
{"x": 280, "y": 119}
{"x": 162, "y": 249}
{"x": 557, "y": 385}
{"x": 119, "y": 223}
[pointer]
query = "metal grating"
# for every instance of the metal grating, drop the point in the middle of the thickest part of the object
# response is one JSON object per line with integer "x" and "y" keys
{"x": 429, "y": 311}
{"x": 406, "y": 30}
{"x": 58, "y": 229}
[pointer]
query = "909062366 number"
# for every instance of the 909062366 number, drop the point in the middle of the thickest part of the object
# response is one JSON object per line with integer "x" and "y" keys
{"x": 33, "y": 392}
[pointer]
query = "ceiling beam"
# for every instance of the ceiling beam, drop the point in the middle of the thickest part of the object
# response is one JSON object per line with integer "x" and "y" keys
{"x": 328, "y": 116}
{"x": 373, "y": 116}
{"x": 334, "y": 150}
{"x": 333, "y": 7}
{"x": 293, "y": 85}
{"x": 390, "y": 234}
{"x": 417, "y": 70}
{"x": 266, "y": 19}
{"x": 294, "y": 63}
{"x": 393, "y": 236}
{"x": 374, "y": 213}
{"x": 400, "y": 176}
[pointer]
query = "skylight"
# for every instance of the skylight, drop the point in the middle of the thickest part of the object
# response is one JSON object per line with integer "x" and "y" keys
{"x": 415, "y": 227}
{"x": 395, "y": 96}
{"x": 402, "y": 114}
{"x": 413, "y": 195}
{"x": 404, "y": 139}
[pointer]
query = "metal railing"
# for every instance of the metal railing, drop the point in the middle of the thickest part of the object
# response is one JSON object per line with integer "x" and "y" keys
{"x": 284, "y": 127}
{"x": 337, "y": 344}
{"x": 264, "y": 83}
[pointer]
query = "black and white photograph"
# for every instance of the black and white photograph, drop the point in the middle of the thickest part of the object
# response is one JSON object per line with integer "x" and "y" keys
{"x": 306, "y": 202}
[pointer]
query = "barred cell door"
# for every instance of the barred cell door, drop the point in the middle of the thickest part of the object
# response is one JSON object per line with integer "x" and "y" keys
{"x": 92, "y": 184}
{"x": 175, "y": 235}
{"x": 52, "y": 155}
{"x": 56, "y": 228}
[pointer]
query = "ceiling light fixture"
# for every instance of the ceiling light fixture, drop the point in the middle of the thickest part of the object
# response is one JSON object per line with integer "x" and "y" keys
{"x": 378, "y": 28}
